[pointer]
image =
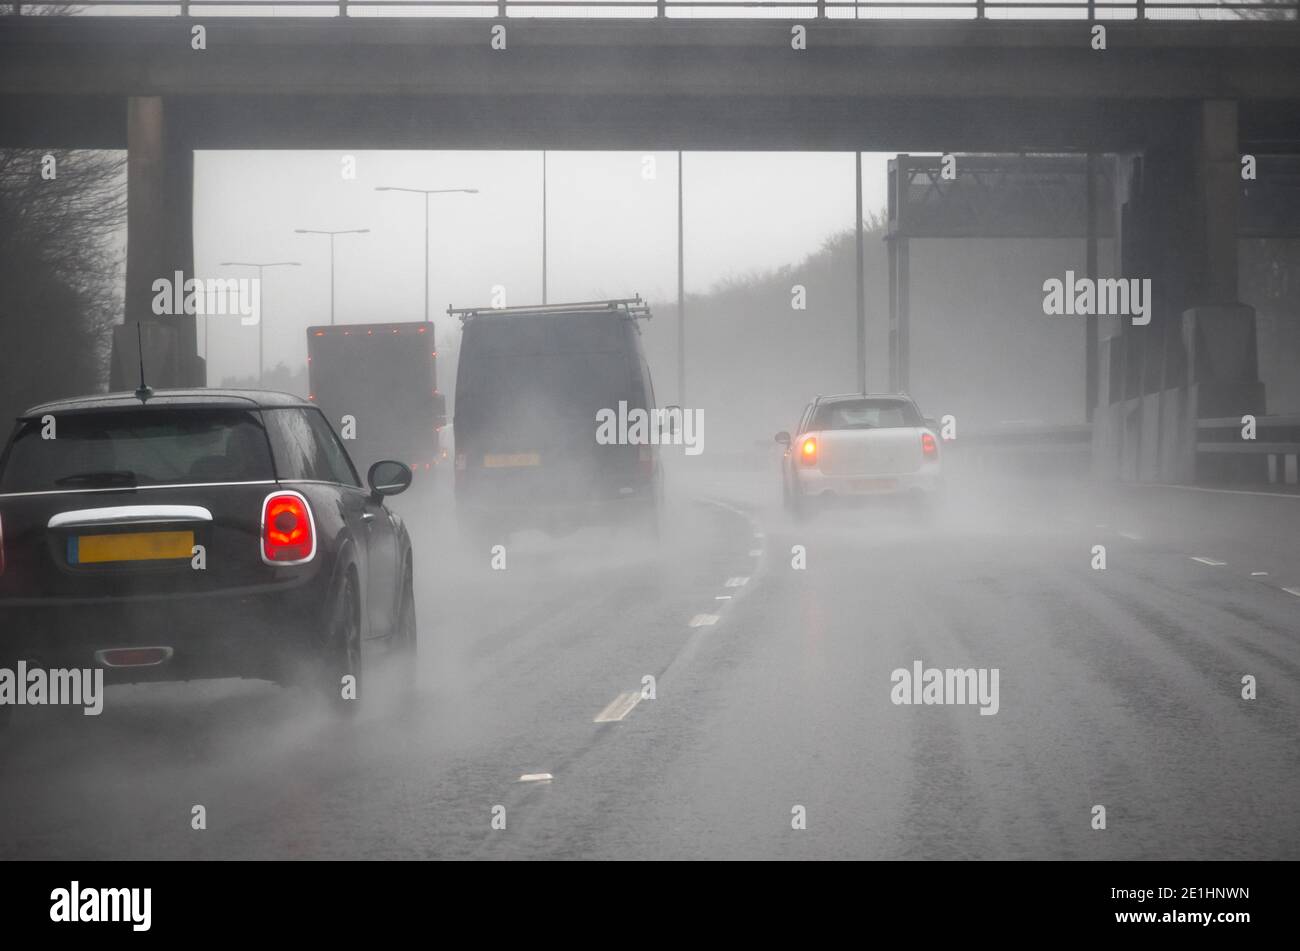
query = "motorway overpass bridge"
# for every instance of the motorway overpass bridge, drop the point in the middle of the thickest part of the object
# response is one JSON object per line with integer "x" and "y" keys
{"x": 1173, "y": 103}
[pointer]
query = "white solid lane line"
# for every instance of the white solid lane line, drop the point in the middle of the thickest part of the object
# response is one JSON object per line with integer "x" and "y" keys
{"x": 619, "y": 707}
{"x": 704, "y": 620}
{"x": 1209, "y": 561}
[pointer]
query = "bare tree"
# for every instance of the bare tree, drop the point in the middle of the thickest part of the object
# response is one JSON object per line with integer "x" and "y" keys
{"x": 62, "y": 260}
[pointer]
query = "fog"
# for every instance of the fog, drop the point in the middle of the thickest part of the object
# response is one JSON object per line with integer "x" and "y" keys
{"x": 749, "y": 644}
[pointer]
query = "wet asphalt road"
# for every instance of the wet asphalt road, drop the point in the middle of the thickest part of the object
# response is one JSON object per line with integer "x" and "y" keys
{"x": 772, "y": 691}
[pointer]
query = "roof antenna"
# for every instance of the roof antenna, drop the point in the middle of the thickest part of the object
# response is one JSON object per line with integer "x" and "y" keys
{"x": 145, "y": 391}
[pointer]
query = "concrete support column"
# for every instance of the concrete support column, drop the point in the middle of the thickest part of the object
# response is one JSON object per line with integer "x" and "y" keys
{"x": 160, "y": 243}
{"x": 1218, "y": 330}
{"x": 1197, "y": 357}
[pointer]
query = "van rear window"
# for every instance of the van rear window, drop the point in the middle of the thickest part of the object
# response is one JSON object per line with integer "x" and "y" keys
{"x": 111, "y": 449}
{"x": 546, "y": 334}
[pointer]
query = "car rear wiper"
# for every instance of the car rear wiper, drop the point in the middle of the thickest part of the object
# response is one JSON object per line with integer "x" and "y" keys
{"x": 104, "y": 477}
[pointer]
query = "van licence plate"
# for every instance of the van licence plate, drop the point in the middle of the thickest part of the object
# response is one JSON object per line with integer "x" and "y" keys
{"x": 511, "y": 460}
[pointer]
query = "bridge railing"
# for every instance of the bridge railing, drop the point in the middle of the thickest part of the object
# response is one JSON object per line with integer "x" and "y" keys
{"x": 1239, "y": 10}
{"x": 1271, "y": 455}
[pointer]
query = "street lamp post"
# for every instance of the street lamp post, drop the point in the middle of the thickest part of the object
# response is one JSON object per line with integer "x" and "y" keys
{"x": 543, "y": 226}
{"x": 426, "y": 192}
{"x": 332, "y": 235}
{"x": 261, "y": 316}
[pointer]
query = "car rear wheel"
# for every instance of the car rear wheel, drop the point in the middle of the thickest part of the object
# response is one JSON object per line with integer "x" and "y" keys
{"x": 407, "y": 629}
{"x": 341, "y": 664}
{"x": 798, "y": 504}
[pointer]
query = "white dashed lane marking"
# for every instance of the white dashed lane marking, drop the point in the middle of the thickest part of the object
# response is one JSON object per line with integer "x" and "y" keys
{"x": 1209, "y": 561}
{"x": 536, "y": 778}
{"x": 619, "y": 707}
{"x": 704, "y": 620}
{"x": 1295, "y": 591}
{"x": 736, "y": 582}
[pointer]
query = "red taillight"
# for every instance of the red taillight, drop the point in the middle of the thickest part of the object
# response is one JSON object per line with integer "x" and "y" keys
{"x": 134, "y": 656}
{"x": 288, "y": 534}
{"x": 808, "y": 451}
{"x": 929, "y": 448}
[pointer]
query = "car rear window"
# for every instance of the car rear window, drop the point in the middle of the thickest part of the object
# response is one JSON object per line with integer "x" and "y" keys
{"x": 138, "y": 446}
{"x": 865, "y": 414}
{"x": 306, "y": 448}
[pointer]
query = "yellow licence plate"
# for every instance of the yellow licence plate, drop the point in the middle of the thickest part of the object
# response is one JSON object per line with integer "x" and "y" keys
{"x": 509, "y": 460}
{"x": 137, "y": 546}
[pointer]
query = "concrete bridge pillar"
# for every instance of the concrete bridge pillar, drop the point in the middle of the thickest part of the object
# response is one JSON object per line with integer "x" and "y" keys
{"x": 1196, "y": 358}
{"x": 1219, "y": 330}
{"x": 160, "y": 243}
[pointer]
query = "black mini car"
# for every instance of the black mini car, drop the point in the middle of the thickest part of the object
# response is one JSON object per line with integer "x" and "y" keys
{"x": 198, "y": 534}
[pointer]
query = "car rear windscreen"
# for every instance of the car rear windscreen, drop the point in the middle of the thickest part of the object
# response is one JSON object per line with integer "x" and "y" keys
{"x": 865, "y": 414}
{"x": 136, "y": 447}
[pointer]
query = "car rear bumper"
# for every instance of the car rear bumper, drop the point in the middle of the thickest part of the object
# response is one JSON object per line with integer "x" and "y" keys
{"x": 926, "y": 480}
{"x": 262, "y": 634}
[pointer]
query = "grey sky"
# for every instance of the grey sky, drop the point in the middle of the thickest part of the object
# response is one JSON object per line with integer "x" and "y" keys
{"x": 612, "y": 229}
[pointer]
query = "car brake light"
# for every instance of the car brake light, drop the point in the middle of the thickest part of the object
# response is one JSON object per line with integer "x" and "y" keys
{"x": 133, "y": 656}
{"x": 288, "y": 531}
{"x": 929, "y": 448}
{"x": 808, "y": 451}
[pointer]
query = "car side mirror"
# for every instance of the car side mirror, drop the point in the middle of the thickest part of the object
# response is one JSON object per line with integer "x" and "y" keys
{"x": 389, "y": 478}
{"x": 783, "y": 438}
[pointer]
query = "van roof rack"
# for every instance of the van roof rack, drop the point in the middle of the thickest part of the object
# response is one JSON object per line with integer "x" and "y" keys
{"x": 633, "y": 307}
